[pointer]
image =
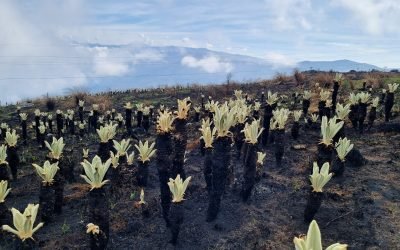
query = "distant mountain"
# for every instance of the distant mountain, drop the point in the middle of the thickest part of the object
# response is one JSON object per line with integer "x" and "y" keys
{"x": 104, "y": 67}
{"x": 339, "y": 65}
{"x": 159, "y": 66}
{"x": 180, "y": 65}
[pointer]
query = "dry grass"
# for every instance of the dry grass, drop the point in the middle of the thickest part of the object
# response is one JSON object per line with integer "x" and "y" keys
{"x": 281, "y": 78}
{"x": 299, "y": 77}
{"x": 323, "y": 78}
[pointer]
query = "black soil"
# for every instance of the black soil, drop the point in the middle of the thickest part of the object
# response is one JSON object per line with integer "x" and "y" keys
{"x": 360, "y": 208}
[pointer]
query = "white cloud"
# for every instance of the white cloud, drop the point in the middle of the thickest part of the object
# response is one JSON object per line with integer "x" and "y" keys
{"x": 375, "y": 17}
{"x": 25, "y": 41}
{"x": 209, "y": 45}
{"x": 209, "y": 64}
{"x": 106, "y": 66}
{"x": 188, "y": 42}
{"x": 297, "y": 29}
{"x": 148, "y": 55}
{"x": 278, "y": 60}
{"x": 290, "y": 14}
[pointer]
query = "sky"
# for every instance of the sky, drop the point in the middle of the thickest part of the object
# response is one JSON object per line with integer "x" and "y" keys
{"x": 43, "y": 42}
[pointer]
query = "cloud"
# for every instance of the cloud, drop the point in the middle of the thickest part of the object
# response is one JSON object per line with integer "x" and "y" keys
{"x": 279, "y": 60}
{"x": 290, "y": 14}
{"x": 209, "y": 64}
{"x": 374, "y": 17}
{"x": 105, "y": 66}
{"x": 281, "y": 31}
{"x": 25, "y": 71}
{"x": 148, "y": 55}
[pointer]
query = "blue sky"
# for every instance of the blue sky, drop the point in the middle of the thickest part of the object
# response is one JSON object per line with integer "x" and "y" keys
{"x": 293, "y": 29}
{"x": 281, "y": 31}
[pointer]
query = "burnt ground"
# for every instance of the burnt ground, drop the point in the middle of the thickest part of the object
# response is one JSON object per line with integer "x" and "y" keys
{"x": 360, "y": 209}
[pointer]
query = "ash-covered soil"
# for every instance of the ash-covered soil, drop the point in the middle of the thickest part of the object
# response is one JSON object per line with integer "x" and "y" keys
{"x": 360, "y": 209}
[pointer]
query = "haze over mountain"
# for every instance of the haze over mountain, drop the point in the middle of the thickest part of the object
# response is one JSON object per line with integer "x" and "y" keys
{"x": 47, "y": 46}
{"x": 158, "y": 66}
{"x": 337, "y": 65}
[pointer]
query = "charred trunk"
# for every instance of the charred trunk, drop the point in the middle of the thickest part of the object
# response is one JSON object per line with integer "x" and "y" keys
{"x": 208, "y": 169}
{"x": 239, "y": 139}
{"x": 24, "y": 132}
{"x": 146, "y": 122}
{"x": 90, "y": 123}
{"x": 72, "y": 127}
{"x": 111, "y": 146}
{"x": 139, "y": 118}
{"x": 362, "y": 113}
{"x": 13, "y": 161}
{"x": 337, "y": 167}
{"x": 313, "y": 204}
{"x": 104, "y": 151}
{"x": 180, "y": 141}
{"x": 219, "y": 171}
{"x": 5, "y": 217}
{"x": 114, "y": 173}
{"x": 115, "y": 177}
{"x": 60, "y": 124}
{"x": 4, "y": 172}
{"x": 210, "y": 115}
{"x": 382, "y": 98}
{"x": 197, "y": 117}
{"x": 59, "y": 192}
{"x": 324, "y": 154}
{"x": 321, "y": 109}
{"x": 327, "y": 112}
{"x": 295, "y": 130}
{"x": 68, "y": 164}
{"x": 98, "y": 241}
{"x": 164, "y": 166}
{"x": 58, "y": 185}
{"x": 80, "y": 113}
{"x": 3, "y": 133}
{"x": 256, "y": 114}
{"x": 50, "y": 122}
{"x": 266, "y": 123}
{"x": 37, "y": 124}
{"x": 388, "y": 106}
{"x": 176, "y": 217}
{"x": 95, "y": 119}
{"x": 249, "y": 173}
{"x": 99, "y": 215}
{"x": 279, "y": 149}
{"x": 41, "y": 140}
{"x": 81, "y": 133}
{"x": 202, "y": 147}
{"x": 142, "y": 174}
{"x": 334, "y": 96}
{"x": 259, "y": 171}
{"x": 371, "y": 117}
{"x": 353, "y": 115}
{"x": 46, "y": 201}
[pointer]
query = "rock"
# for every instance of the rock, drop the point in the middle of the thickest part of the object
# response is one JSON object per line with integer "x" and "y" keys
{"x": 195, "y": 169}
{"x": 299, "y": 147}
